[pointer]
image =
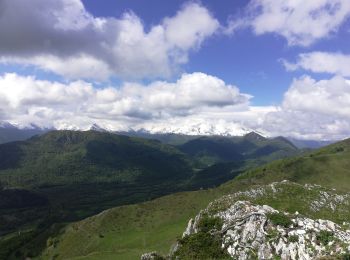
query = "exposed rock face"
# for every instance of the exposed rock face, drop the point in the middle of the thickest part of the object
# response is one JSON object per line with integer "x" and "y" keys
{"x": 240, "y": 226}
{"x": 151, "y": 256}
{"x": 250, "y": 231}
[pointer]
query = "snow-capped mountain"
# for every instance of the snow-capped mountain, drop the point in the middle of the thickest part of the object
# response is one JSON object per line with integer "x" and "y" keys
{"x": 188, "y": 127}
{"x": 30, "y": 126}
{"x": 7, "y": 125}
{"x": 197, "y": 128}
{"x": 13, "y": 132}
{"x": 96, "y": 127}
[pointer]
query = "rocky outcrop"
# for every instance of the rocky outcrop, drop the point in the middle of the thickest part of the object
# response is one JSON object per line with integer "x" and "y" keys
{"x": 254, "y": 231}
{"x": 242, "y": 226}
{"x": 152, "y": 256}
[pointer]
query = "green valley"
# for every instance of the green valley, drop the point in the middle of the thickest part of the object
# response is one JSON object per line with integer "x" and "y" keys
{"x": 65, "y": 176}
{"x": 156, "y": 225}
{"x": 174, "y": 130}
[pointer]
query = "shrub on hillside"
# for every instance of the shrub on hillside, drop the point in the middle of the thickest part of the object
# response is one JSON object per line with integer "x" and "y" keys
{"x": 279, "y": 219}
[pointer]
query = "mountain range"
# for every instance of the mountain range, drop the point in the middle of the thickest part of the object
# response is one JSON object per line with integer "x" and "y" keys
{"x": 58, "y": 177}
{"x": 10, "y": 132}
{"x": 313, "y": 185}
{"x": 74, "y": 174}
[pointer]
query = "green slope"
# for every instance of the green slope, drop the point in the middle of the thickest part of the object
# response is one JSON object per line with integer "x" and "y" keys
{"x": 128, "y": 231}
{"x": 166, "y": 138}
{"x": 328, "y": 166}
{"x": 296, "y": 200}
{"x": 82, "y": 173}
{"x": 66, "y": 157}
{"x": 209, "y": 150}
{"x": 125, "y": 232}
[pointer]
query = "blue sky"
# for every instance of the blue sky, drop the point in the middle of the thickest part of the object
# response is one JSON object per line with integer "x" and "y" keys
{"x": 218, "y": 66}
{"x": 244, "y": 59}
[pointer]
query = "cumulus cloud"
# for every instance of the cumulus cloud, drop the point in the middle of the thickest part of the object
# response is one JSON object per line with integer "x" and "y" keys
{"x": 299, "y": 22}
{"x": 78, "y": 104}
{"x": 63, "y": 37}
{"x": 329, "y": 97}
{"x": 321, "y": 62}
{"x": 313, "y": 109}
{"x": 196, "y": 103}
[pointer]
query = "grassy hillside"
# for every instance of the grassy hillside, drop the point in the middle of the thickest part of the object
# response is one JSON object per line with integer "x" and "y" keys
{"x": 297, "y": 205}
{"x": 127, "y": 232}
{"x": 67, "y": 157}
{"x": 209, "y": 150}
{"x": 328, "y": 166}
{"x": 67, "y": 175}
{"x": 166, "y": 138}
{"x": 82, "y": 173}
{"x": 124, "y": 232}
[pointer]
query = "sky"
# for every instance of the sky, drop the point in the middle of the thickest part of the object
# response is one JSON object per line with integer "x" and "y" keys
{"x": 278, "y": 67}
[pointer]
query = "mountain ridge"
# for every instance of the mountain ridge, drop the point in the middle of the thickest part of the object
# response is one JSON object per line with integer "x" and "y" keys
{"x": 165, "y": 219}
{"x": 13, "y": 132}
{"x": 241, "y": 225}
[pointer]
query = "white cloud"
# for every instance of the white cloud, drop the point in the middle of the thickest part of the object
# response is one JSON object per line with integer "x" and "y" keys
{"x": 189, "y": 27}
{"x": 63, "y": 37}
{"x": 299, "y": 22}
{"x": 322, "y": 62}
{"x": 74, "y": 67}
{"x": 78, "y": 104}
{"x": 195, "y": 103}
{"x": 309, "y": 126}
{"x": 329, "y": 97}
{"x": 313, "y": 110}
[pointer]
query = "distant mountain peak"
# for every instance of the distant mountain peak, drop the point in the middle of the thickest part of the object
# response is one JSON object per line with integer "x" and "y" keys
{"x": 285, "y": 140}
{"x": 4, "y": 124}
{"x": 254, "y": 136}
{"x": 96, "y": 127}
{"x": 198, "y": 128}
{"x": 30, "y": 126}
{"x": 189, "y": 128}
